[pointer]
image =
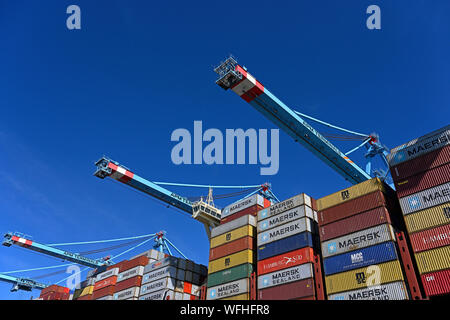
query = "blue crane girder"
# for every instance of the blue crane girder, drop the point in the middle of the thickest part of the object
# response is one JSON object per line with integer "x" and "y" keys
{"x": 22, "y": 283}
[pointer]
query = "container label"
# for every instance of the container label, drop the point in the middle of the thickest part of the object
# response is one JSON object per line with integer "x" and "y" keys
{"x": 107, "y": 274}
{"x": 228, "y": 289}
{"x": 243, "y": 204}
{"x": 426, "y": 199}
{"x": 284, "y": 206}
{"x": 289, "y": 259}
{"x": 284, "y": 231}
{"x": 390, "y": 291}
{"x": 292, "y": 274}
{"x": 285, "y": 217}
{"x": 159, "y": 273}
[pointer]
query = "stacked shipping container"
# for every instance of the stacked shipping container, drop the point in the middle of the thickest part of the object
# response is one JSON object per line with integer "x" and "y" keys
{"x": 360, "y": 256}
{"x": 55, "y": 292}
{"x": 421, "y": 173}
{"x": 286, "y": 238}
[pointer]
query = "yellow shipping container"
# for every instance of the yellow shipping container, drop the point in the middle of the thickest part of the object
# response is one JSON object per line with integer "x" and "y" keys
{"x": 235, "y": 259}
{"x": 364, "y": 277}
{"x": 428, "y": 218}
{"x": 244, "y": 296}
{"x": 351, "y": 193}
{"x": 433, "y": 260}
{"x": 86, "y": 291}
{"x": 235, "y": 234}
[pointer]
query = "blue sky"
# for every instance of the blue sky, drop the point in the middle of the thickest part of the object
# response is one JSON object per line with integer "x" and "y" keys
{"x": 136, "y": 71}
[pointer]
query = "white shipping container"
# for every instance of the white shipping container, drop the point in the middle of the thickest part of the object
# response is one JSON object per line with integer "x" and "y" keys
{"x": 159, "y": 273}
{"x": 133, "y": 272}
{"x": 298, "y": 200}
{"x": 107, "y": 274}
{"x": 297, "y": 273}
{"x": 126, "y": 294}
{"x": 178, "y": 296}
{"x": 233, "y": 224}
{"x": 242, "y": 204}
{"x": 163, "y": 294}
{"x": 285, "y": 217}
{"x": 186, "y": 296}
{"x": 389, "y": 291}
{"x": 425, "y": 199}
{"x": 284, "y": 231}
{"x": 105, "y": 298}
{"x": 229, "y": 289}
{"x": 164, "y": 283}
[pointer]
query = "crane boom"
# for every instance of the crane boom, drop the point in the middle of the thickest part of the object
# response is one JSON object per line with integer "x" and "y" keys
{"x": 14, "y": 239}
{"x": 22, "y": 283}
{"x": 235, "y": 77}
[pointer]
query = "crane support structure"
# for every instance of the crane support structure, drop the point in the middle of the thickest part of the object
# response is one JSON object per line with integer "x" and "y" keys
{"x": 14, "y": 239}
{"x": 22, "y": 283}
{"x": 235, "y": 77}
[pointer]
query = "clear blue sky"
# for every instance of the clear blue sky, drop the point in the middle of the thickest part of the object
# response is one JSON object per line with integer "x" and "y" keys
{"x": 138, "y": 70}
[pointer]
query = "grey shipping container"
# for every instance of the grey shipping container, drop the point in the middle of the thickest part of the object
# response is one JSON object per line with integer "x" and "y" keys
{"x": 240, "y": 205}
{"x": 133, "y": 272}
{"x": 126, "y": 294}
{"x": 425, "y": 199}
{"x": 107, "y": 274}
{"x": 285, "y": 217}
{"x": 303, "y": 271}
{"x": 389, "y": 291}
{"x": 169, "y": 261}
{"x": 298, "y": 200}
{"x": 233, "y": 224}
{"x": 284, "y": 231}
{"x": 188, "y": 276}
{"x": 229, "y": 289}
{"x": 163, "y": 294}
{"x": 159, "y": 273}
{"x": 164, "y": 283}
{"x": 181, "y": 264}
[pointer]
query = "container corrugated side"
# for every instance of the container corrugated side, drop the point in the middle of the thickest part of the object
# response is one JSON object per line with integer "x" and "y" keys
{"x": 293, "y": 290}
{"x": 428, "y": 218}
{"x": 358, "y": 240}
{"x": 107, "y": 274}
{"x": 164, "y": 294}
{"x": 235, "y": 259}
{"x": 428, "y": 161}
{"x": 107, "y": 291}
{"x": 436, "y": 283}
{"x": 353, "y": 192}
{"x": 298, "y": 241}
{"x": 423, "y": 181}
{"x": 232, "y": 247}
{"x": 286, "y": 260}
{"x": 285, "y": 217}
{"x": 355, "y": 223}
{"x": 169, "y": 261}
{"x": 244, "y": 296}
{"x": 291, "y": 274}
{"x": 275, "y": 209}
{"x": 431, "y": 239}
{"x": 250, "y": 211}
{"x": 130, "y": 273}
{"x": 245, "y": 231}
{"x": 376, "y": 254}
{"x": 420, "y": 146}
{"x": 364, "y": 277}
{"x": 128, "y": 283}
{"x": 426, "y": 199}
{"x": 105, "y": 282}
{"x": 133, "y": 263}
{"x": 228, "y": 289}
{"x": 240, "y": 205}
{"x": 164, "y": 283}
{"x": 390, "y": 291}
{"x": 433, "y": 260}
{"x": 234, "y": 224}
{"x": 285, "y": 230}
{"x": 168, "y": 271}
{"x": 126, "y": 294}
{"x": 231, "y": 274}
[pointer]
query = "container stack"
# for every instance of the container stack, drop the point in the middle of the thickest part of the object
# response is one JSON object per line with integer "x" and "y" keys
{"x": 232, "y": 257}
{"x": 85, "y": 291}
{"x": 421, "y": 173}
{"x": 103, "y": 288}
{"x": 129, "y": 279}
{"x": 55, "y": 292}
{"x": 286, "y": 238}
{"x": 358, "y": 243}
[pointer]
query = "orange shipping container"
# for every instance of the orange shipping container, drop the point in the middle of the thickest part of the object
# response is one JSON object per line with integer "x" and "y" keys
{"x": 129, "y": 283}
{"x": 107, "y": 291}
{"x": 139, "y": 261}
{"x": 232, "y": 247}
{"x": 105, "y": 283}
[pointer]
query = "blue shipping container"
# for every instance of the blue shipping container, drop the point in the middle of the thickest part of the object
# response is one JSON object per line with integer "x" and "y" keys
{"x": 376, "y": 254}
{"x": 298, "y": 241}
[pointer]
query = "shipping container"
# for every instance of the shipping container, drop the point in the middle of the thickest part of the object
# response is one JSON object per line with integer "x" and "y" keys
{"x": 244, "y": 296}
{"x": 364, "y": 277}
{"x": 354, "y": 223}
{"x": 228, "y": 289}
{"x": 298, "y": 241}
{"x": 197, "y": 268}
{"x": 232, "y": 247}
{"x": 235, "y": 259}
{"x": 426, "y": 199}
{"x": 164, "y": 283}
{"x": 433, "y": 260}
{"x": 107, "y": 274}
{"x": 353, "y": 192}
{"x": 130, "y": 264}
{"x": 240, "y": 205}
{"x": 111, "y": 281}
{"x": 291, "y": 274}
{"x": 181, "y": 274}
{"x": 180, "y": 265}
{"x": 252, "y": 211}
{"x": 179, "y": 286}
{"x": 376, "y": 254}
{"x": 169, "y": 261}
{"x": 231, "y": 274}
{"x": 245, "y": 231}
{"x": 286, "y": 260}
{"x": 189, "y": 265}
{"x": 117, "y": 265}
{"x": 105, "y": 298}
{"x": 178, "y": 296}
{"x": 436, "y": 283}
{"x": 286, "y": 230}
{"x": 88, "y": 297}
{"x": 188, "y": 276}
{"x": 275, "y": 209}
{"x": 358, "y": 240}
{"x": 428, "y": 161}
{"x": 107, "y": 291}
{"x": 423, "y": 181}
{"x": 390, "y": 291}
{"x": 187, "y": 287}
{"x": 126, "y": 294}
{"x": 431, "y": 239}
{"x": 88, "y": 282}
{"x": 293, "y": 290}
{"x": 55, "y": 288}
{"x": 128, "y": 283}
{"x": 428, "y": 218}
{"x": 86, "y": 291}
{"x": 247, "y": 220}
{"x": 152, "y": 254}
{"x": 163, "y": 294}
{"x": 77, "y": 293}
{"x": 168, "y": 271}
{"x": 285, "y": 217}
{"x": 420, "y": 146}
{"x": 130, "y": 273}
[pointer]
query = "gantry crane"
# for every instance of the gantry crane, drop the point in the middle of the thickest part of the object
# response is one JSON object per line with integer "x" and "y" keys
{"x": 19, "y": 283}
{"x": 235, "y": 77}
{"x": 204, "y": 212}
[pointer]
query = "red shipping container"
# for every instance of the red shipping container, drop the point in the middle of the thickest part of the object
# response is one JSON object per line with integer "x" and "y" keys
{"x": 365, "y": 203}
{"x": 193, "y": 297}
{"x": 436, "y": 283}
{"x": 107, "y": 291}
{"x": 129, "y": 264}
{"x": 55, "y": 296}
{"x": 286, "y": 260}
{"x": 232, "y": 247}
{"x": 129, "y": 283}
{"x": 307, "y": 298}
{"x": 117, "y": 265}
{"x": 297, "y": 289}
{"x": 55, "y": 288}
{"x": 426, "y": 162}
{"x": 431, "y": 238}
{"x": 314, "y": 204}
{"x": 253, "y": 210}
{"x": 86, "y": 297}
{"x": 354, "y": 223}
{"x": 187, "y": 287}
{"x": 422, "y": 181}
{"x": 105, "y": 283}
